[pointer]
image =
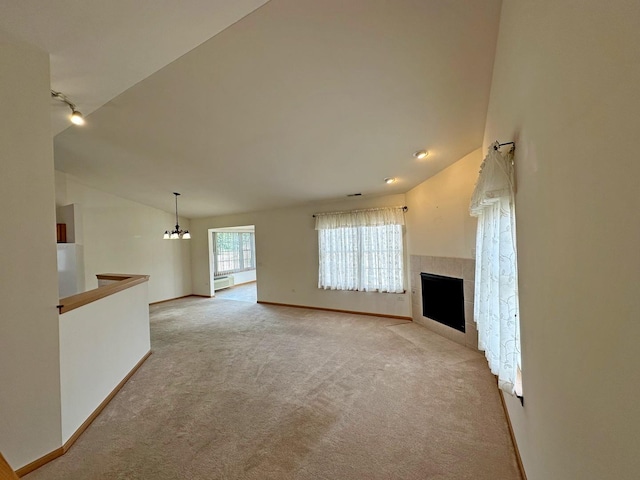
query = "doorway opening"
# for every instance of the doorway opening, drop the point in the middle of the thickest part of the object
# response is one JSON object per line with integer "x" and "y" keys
{"x": 232, "y": 263}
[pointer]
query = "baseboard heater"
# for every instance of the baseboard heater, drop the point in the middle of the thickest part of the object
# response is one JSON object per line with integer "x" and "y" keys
{"x": 224, "y": 281}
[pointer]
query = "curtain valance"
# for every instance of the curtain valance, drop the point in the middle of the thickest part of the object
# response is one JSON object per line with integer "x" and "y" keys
{"x": 494, "y": 182}
{"x": 360, "y": 218}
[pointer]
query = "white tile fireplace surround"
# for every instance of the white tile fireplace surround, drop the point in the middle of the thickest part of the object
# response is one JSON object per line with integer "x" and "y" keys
{"x": 464, "y": 268}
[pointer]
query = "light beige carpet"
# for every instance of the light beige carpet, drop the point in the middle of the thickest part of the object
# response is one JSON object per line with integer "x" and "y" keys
{"x": 236, "y": 390}
{"x": 246, "y": 292}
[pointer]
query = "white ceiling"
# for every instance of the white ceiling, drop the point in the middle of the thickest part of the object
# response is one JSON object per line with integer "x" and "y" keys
{"x": 100, "y": 48}
{"x": 298, "y": 101}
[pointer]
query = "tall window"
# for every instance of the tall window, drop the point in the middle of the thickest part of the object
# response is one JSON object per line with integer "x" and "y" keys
{"x": 496, "y": 309}
{"x": 233, "y": 252}
{"x": 361, "y": 250}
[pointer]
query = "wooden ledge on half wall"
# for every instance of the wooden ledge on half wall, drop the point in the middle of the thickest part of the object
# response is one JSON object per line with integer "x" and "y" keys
{"x": 121, "y": 281}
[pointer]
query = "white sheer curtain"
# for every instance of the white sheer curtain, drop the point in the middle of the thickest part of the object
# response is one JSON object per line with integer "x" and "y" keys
{"x": 361, "y": 250}
{"x": 496, "y": 310}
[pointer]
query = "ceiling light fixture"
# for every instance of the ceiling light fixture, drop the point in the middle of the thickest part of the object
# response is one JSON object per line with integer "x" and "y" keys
{"x": 420, "y": 154}
{"x": 76, "y": 117}
{"x": 177, "y": 234}
{"x": 389, "y": 180}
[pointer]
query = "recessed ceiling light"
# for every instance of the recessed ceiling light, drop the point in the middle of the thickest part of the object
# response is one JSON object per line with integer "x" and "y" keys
{"x": 389, "y": 180}
{"x": 420, "y": 154}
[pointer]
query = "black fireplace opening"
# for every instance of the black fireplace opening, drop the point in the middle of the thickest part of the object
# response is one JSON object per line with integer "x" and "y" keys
{"x": 443, "y": 300}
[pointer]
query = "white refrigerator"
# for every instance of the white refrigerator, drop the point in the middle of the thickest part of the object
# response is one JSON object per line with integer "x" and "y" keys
{"x": 70, "y": 269}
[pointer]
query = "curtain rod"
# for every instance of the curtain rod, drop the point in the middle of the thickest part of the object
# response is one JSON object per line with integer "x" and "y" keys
{"x": 496, "y": 147}
{"x": 404, "y": 209}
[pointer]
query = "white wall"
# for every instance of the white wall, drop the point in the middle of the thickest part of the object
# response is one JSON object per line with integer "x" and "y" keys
{"x": 566, "y": 89}
{"x": 29, "y": 374}
{"x": 438, "y": 220}
{"x": 287, "y": 258}
{"x": 70, "y": 215}
{"x": 100, "y": 343}
{"x": 122, "y": 236}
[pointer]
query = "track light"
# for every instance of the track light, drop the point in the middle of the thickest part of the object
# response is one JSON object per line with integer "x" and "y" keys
{"x": 76, "y": 117}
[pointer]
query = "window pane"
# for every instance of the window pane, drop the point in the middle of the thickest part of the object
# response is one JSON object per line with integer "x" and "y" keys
{"x": 248, "y": 256}
{"x": 233, "y": 252}
{"x": 367, "y": 258}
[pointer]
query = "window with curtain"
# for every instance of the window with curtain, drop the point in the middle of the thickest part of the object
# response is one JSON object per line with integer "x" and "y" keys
{"x": 361, "y": 250}
{"x": 233, "y": 252}
{"x": 496, "y": 309}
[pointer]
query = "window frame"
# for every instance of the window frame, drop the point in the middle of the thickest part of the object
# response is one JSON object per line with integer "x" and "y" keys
{"x": 239, "y": 254}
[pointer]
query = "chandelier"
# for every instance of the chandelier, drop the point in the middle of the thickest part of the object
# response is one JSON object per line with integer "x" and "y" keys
{"x": 177, "y": 234}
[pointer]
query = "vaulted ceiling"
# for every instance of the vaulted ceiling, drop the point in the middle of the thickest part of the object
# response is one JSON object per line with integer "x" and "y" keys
{"x": 245, "y": 105}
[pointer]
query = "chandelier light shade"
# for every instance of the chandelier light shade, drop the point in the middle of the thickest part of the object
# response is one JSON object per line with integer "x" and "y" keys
{"x": 177, "y": 233}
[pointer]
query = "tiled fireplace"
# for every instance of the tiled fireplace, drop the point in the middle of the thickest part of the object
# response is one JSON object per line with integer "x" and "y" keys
{"x": 463, "y": 268}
